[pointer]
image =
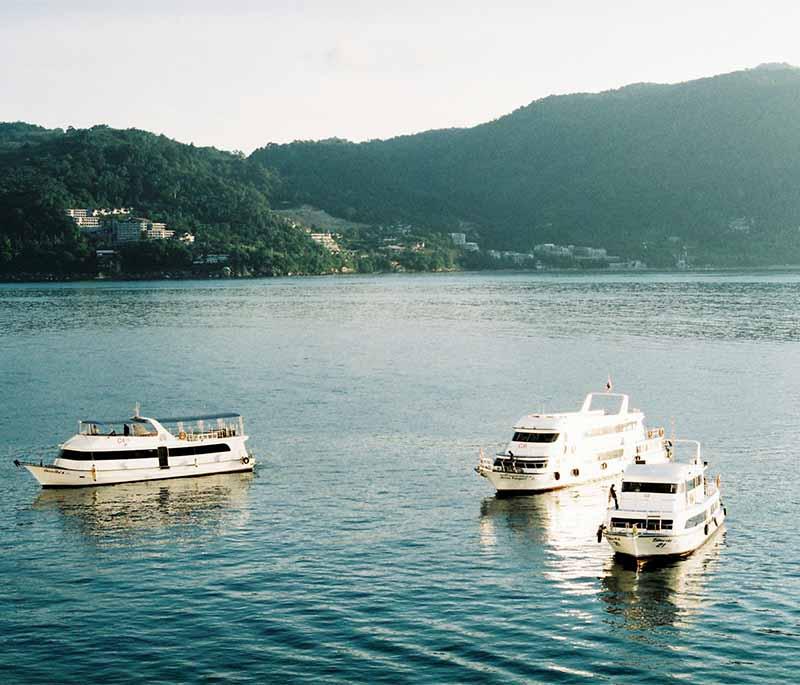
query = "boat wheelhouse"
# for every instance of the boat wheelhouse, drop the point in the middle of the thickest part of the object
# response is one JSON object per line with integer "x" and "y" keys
{"x": 549, "y": 451}
{"x": 664, "y": 510}
{"x": 142, "y": 448}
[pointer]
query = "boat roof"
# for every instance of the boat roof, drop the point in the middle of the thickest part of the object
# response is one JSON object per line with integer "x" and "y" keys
{"x": 659, "y": 473}
{"x": 169, "y": 419}
{"x": 587, "y": 410}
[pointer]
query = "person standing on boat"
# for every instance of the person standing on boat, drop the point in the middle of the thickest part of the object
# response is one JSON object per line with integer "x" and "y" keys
{"x": 612, "y": 495}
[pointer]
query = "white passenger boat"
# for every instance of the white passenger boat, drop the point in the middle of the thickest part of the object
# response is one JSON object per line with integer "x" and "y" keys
{"x": 549, "y": 451}
{"x": 664, "y": 510}
{"x": 141, "y": 448}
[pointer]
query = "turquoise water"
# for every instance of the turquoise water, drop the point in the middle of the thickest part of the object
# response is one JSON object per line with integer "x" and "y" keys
{"x": 364, "y": 548}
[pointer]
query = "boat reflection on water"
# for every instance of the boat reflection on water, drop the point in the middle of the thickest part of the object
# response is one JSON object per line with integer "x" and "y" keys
{"x": 554, "y": 530}
{"x": 560, "y": 519}
{"x": 660, "y": 593}
{"x": 117, "y": 511}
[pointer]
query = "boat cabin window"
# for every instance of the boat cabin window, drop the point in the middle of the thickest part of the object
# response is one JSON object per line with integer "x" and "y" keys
{"x": 123, "y": 428}
{"x": 642, "y": 524}
{"x": 194, "y": 450}
{"x": 697, "y": 519}
{"x": 521, "y": 436}
{"x": 661, "y": 488}
{"x": 695, "y": 482}
{"x": 108, "y": 455}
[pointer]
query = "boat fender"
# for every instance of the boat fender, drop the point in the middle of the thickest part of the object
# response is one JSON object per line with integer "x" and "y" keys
{"x": 716, "y": 525}
{"x": 725, "y": 510}
{"x": 245, "y": 460}
{"x": 557, "y": 475}
{"x": 182, "y": 435}
{"x": 600, "y": 530}
{"x": 660, "y": 432}
{"x": 705, "y": 530}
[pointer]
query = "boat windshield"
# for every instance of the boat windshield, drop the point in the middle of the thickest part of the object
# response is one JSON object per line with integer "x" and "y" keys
{"x": 136, "y": 428}
{"x": 521, "y": 436}
{"x": 662, "y": 488}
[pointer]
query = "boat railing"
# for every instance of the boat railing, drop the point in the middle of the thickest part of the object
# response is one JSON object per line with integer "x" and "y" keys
{"x": 516, "y": 464}
{"x": 649, "y": 447}
{"x": 208, "y": 435}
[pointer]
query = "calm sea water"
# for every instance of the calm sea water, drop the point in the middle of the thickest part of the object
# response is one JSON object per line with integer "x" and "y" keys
{"x": 364, "y": 548}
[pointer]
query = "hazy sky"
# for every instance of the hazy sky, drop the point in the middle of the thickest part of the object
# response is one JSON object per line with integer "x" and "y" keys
{"x": 238, "y": 74}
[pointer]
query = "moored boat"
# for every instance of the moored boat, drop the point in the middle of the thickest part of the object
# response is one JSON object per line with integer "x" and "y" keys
{"x": 142, "y": 448}
{"x": 664, "y": 510}
{"x": 555, "y": 450}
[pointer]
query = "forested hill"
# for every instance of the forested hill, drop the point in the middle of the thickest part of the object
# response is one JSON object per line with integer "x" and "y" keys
{"x": 221, "y": 197}
{"x": 713, "y": 163}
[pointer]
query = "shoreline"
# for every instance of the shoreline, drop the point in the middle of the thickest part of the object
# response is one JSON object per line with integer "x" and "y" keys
{"x": 88, "y": 278}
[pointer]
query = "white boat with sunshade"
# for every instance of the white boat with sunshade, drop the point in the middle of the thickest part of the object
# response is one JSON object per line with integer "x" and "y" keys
{"x": 664, "y": 510}
{"x": 556, "y": 450}
{"x": 142, "y": 448}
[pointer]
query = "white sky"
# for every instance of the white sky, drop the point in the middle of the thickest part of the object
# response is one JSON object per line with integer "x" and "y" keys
{"x": 237, "y": 74}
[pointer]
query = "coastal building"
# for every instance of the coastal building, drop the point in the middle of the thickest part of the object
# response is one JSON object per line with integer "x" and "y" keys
{"x": 212, "y": 259}
{"x": 83, "y": 218}
{"x": 327, "y": 241}
{"x": 459, "y": 239}
{"x": 553, "y": 250}
{"x": 157, "y": 231}
{"x": 91, "y": 220}
{"x": 187, "y": 239}
{"x": 590, "y": 253}
{"x": 138, "y": 228}
{"x": 471, "y": 247}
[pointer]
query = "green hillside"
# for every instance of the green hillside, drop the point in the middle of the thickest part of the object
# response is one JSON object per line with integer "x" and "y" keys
{"x": 711, "y": 166}
{"x": 220, "y": 197}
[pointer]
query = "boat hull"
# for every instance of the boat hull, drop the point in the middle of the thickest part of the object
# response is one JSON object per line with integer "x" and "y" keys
{"x": 52, "y": 476}
{"x": 658, "y": 545}
{"x": 531, "y": 483}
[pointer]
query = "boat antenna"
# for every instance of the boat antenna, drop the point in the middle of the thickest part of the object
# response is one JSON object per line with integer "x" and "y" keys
{"x": 136, "y": 411}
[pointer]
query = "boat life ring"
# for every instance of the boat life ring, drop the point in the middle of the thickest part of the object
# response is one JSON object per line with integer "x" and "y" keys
{"x": 182, "y": 435}
{"x": 245, "y": 460}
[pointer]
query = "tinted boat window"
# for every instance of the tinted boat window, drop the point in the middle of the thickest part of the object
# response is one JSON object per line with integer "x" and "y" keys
{"x": 108, "y": 455}
{"x": 194, "y": 450}
{"x": 535, "y": 437}
{"x": 663, "y": 488}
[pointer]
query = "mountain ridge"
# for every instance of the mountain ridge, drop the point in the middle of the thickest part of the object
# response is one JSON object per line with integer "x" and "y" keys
{"x": 622, "y": 168}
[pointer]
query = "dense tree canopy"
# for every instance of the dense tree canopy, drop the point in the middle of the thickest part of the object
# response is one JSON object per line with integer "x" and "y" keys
{"x": 220, "y": 197}
{"x": 713, "y": 162}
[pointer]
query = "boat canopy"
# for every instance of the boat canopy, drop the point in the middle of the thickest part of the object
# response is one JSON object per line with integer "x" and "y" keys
{"x": 173, "y": 419}
{"x": 203, "y": 417}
